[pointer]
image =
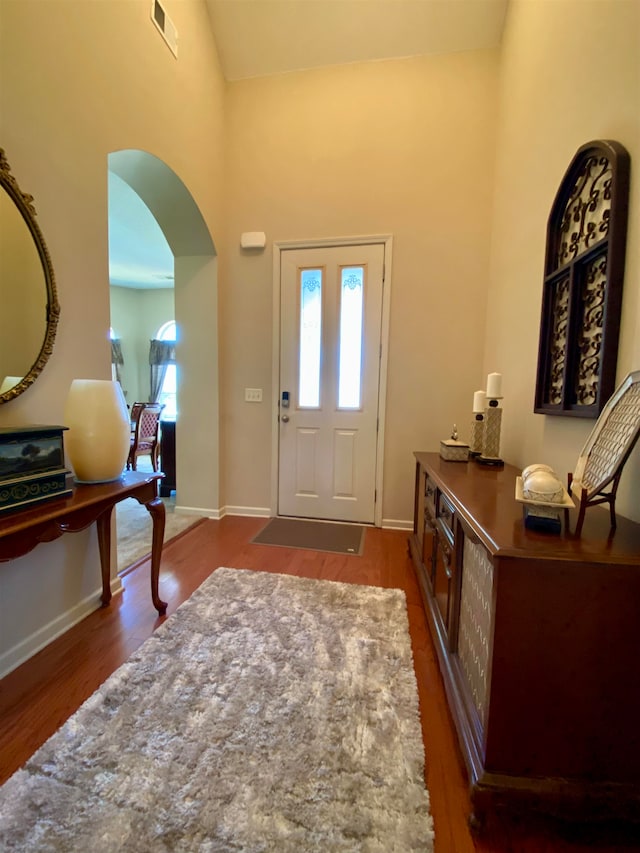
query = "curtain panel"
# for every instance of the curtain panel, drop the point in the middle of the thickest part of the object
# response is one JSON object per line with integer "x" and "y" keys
{"x": 162, "y": 352}
{"x": 117, "y": 359}
{"x": 161, "y": 355}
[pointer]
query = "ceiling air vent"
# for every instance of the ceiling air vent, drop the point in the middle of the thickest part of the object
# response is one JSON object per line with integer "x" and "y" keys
{"x": 165, "y": 26}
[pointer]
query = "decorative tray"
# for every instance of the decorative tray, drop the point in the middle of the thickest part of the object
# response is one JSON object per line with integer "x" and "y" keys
{"x": 567, "y": 500}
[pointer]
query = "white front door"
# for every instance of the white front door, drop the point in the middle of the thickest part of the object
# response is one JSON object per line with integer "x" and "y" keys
{"x": 330, "y": 344}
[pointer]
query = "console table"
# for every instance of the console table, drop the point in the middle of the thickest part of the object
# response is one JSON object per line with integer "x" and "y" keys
{"x": 536, "y": 636}
{"x": 21, "y": 531}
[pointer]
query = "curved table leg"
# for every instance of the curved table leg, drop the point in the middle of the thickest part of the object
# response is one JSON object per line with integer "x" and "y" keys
{"x": 157, "y": 512}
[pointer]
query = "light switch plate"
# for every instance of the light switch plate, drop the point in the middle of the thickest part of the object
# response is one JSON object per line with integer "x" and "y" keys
{"x": 253, "y": 395}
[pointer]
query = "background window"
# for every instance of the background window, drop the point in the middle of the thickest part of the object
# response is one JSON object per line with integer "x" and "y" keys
{"x": 168, "y": 396}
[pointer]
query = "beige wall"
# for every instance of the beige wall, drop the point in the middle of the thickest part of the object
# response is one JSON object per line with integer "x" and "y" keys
{"x": 570, "y": 73}
{"x": 406, "y": 147}
{"x": 136, "y": 316}
{"x": 403, "y": 148}
{"x": 80, "y": 80}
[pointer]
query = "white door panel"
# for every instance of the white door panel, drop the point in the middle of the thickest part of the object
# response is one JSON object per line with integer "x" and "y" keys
{"x": 306, "y": 467}
{"x": 331, "y": 312}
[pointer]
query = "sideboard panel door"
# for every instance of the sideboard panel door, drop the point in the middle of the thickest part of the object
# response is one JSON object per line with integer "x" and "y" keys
{"x": 476, "y": 611}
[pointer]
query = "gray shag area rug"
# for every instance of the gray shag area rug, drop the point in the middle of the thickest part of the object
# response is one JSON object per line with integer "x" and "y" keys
{"x": 269, "y": 713}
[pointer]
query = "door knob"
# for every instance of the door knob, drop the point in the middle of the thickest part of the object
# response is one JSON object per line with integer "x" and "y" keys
{"x": 285, "y": 419}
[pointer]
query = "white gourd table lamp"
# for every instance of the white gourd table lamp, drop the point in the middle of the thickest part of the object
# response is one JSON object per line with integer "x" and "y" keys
{"x": 98, "y": 437}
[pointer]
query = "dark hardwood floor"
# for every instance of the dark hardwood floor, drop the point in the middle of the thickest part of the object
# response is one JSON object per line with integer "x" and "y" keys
{"x": 38, "y": 697}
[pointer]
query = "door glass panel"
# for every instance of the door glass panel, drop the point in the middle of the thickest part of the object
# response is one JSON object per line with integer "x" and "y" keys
{"x": 350, "y": 366}
{"x": 310, "y": 338}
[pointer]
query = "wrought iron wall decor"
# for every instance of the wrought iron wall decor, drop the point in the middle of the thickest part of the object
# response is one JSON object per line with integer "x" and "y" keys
{"x": 582, "y": 289}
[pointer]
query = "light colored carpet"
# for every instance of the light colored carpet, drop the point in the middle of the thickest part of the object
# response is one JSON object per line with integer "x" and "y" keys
{"x": 269, "y": 713}
{"x": 134, "y": 527}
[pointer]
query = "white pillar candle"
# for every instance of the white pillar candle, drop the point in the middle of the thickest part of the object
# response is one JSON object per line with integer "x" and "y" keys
{"x": 479, "y": 402}
{"x": 494, "y": 386}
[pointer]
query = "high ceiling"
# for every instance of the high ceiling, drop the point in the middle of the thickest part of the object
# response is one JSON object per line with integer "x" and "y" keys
{"x": 139, "y": 255}
{"x": 256, "y": 38}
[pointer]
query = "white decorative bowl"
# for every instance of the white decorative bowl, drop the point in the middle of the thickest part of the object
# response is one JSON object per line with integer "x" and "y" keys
{"x": 538, "y": 466}
{"x": 543, "y": 486}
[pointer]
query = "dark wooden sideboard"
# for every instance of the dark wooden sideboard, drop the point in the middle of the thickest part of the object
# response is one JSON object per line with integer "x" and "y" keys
{"x": 168, "y": 457}
{"x": 538, "y": 641}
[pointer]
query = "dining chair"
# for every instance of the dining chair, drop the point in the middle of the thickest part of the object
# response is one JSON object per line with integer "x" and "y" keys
{"x": 145, "y": 433}
{"x": 136, "y": 408}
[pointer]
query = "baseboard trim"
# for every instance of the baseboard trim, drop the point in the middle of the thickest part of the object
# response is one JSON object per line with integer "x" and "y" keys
{"x": 254, "y": 511}
{"x": 200, "y": 511}
{"x": 265, "y": 512}
{"x": 397, "y": 524}
{"x": 217, "y": 514}
{"x": 31, "y": 645}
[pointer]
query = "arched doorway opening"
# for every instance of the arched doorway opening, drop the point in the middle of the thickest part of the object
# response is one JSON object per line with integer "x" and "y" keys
{"x": 195, "y": 296}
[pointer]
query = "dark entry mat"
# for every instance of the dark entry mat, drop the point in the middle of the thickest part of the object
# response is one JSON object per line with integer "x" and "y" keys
{"x": 312, "y": 535}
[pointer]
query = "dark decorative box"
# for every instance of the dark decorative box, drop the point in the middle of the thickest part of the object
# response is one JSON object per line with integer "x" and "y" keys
{"x": 31, "y": 466}
{"x": 542, "y": 519}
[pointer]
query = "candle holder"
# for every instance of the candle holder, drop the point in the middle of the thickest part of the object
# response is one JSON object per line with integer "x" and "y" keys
{"x": 491, "y": 436}
{"x": 477, "y": 435}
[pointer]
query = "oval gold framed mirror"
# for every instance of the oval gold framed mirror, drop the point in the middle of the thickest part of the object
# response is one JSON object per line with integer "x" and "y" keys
{"x": 30, "y": 309}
